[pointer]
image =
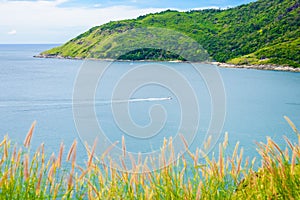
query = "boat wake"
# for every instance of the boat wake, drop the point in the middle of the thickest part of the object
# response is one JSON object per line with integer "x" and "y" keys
{"x": 47, "y": 103}
{"x": 141, "y": 100}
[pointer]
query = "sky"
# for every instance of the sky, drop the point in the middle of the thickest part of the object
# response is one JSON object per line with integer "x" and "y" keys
{"x": 57, "y": 21}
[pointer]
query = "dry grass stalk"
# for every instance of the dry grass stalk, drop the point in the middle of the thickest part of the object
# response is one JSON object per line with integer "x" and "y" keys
{"x": 70, "y": 179}
{"x": 133, "y": 164}
{"x": 292, "y": 125}
{"x": 207, "y": 143}
{"x": 90, "y": 159}
{"x": 4, "y": 177}
{"x": 72, "y": 148}
{"x": 38, "y": 186}
{"x": 29, "y": 135}
{"x": 240, "y": 161}
{"x": 221, "y": 163}
{"x": 198, "y": 195}
{"x": 123, "y": 164}
{"x": 59, "y": 158}
{"x": 74, "y": 158}
{"x": 109, "y": 149}
{"x": 225, "y": 142}
{"x": 123, "y": 146}
{"x": 187, "y": 147}
{"x": 51, "y": 172}
{"x": 26, "y": 169}
{"x": 94, "y": 189}
{"x": 293, "y": 163}
{"x": 3, "y": 141}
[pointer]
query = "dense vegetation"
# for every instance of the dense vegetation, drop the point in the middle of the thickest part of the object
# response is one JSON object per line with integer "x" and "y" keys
{"x": 262, "y": 32}
{"x": 29, "y": 174}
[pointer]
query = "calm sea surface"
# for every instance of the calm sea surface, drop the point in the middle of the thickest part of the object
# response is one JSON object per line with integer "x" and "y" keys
{"x": 42, "y": 89}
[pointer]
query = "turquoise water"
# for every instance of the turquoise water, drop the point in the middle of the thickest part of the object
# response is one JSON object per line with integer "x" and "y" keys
{"x": 41, "y": 89}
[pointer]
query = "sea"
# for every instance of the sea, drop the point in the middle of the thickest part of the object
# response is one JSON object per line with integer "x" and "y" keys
{"x": 142, "y": 102}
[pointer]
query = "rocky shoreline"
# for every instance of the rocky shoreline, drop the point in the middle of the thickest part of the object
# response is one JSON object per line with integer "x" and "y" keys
{"x": 258, "y": 67}
{"x": 219, "y": 64}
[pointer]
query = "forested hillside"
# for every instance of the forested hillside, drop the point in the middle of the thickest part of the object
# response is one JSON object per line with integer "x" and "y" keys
{"x": 262, "y": 32}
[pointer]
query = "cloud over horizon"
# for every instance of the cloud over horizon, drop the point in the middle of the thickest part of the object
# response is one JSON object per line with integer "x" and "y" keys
{"x": 56, "y": 21}
{"x": 47, "y": 22}
{"x": 12, "y": 32}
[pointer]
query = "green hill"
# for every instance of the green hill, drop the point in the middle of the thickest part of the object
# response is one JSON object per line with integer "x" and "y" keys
{"x": 262, "y": 32}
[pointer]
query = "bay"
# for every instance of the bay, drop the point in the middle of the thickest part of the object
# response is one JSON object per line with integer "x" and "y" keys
{"x": 42, "y": 90}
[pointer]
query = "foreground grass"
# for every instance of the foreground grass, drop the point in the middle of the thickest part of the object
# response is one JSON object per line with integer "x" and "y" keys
{"x": 31, "y": 175}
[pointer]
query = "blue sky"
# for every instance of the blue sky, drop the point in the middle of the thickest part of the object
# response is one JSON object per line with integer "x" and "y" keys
{"x": 180, "y": 4}
{"x": 56, "y": 21}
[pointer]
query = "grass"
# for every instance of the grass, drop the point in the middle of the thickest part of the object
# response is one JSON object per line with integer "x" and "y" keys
{"x": 285, "y": 53}
{"x": 28, "y": 174}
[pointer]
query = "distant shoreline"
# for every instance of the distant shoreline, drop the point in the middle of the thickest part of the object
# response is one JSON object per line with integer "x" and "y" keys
{"x": 219, "y": 64}
{"x": 258, "y": 67}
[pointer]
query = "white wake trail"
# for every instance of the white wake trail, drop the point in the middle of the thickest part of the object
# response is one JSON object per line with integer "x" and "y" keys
{"x": 142, "y": 99}
{"x": 70, "y": 103}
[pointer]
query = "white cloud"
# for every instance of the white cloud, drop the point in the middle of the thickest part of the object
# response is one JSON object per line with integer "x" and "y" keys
{"x": 12, "y": 32}
{"x": 203, "y": 8}
{"x": 45, "y": 21}
{"x": 98, "y": 5}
